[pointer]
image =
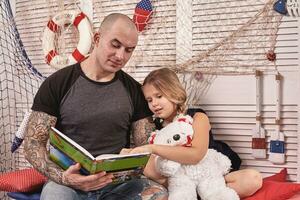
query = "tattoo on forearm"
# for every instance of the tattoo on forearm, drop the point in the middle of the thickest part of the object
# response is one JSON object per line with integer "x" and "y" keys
{"x": 141, "y": 131}
{"x": 35, "y": 142}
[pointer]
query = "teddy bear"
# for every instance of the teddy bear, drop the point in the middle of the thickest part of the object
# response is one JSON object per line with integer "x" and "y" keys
{"x": 184, "y": 181}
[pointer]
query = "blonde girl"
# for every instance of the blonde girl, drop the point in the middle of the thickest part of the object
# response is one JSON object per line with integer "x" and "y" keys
{"x": 166, "y": 98}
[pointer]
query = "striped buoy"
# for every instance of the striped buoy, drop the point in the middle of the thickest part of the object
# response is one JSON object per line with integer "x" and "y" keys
{"x": 81, "y": 22}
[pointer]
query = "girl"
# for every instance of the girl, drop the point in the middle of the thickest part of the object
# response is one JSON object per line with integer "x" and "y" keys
{"x": 166, "y": 98}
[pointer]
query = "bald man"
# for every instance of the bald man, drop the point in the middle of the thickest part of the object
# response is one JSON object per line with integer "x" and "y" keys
{"x": 96, "y": 104}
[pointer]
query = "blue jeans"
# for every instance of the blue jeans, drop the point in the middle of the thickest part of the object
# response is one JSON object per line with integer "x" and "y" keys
{"x": 130, "y": 190}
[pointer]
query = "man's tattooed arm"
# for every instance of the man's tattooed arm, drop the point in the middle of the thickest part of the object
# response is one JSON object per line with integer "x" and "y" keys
{"x": 141, "y": 130}
{"x": 35, "y": 142}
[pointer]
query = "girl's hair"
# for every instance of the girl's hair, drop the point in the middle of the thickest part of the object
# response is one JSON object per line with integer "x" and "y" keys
{"x": 167, "y": 82}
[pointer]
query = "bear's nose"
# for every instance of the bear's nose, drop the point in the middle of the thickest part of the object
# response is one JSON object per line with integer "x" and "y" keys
{"x": 176, "y": 137}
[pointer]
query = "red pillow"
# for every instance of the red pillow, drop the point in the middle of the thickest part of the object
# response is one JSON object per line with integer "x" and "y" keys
{"x": 272, "y": 190}
{"x": 26, "y": 180}
{"x": 295, "y": 197}
{"x": 280, "y": 176}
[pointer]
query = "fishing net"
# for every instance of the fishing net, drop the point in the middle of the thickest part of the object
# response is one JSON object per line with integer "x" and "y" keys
{"x": 19, "y": 81}
{"x": 200, "y": 39}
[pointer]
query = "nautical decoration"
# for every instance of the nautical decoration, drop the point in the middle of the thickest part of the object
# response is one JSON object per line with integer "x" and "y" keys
{"x": 271, "y": 56}
{"x": 81, "y": 22}
{"x": 258, "y": 132}
{"x": 277, "y": 146}
{"x": 142, "y": 14}
{"x": 20, "y": 134}
{"x": 293, "y": 7}
{"x": 280, "y": 7}
{"x": 87, "y": 8}
{"x": 199, "y": 76}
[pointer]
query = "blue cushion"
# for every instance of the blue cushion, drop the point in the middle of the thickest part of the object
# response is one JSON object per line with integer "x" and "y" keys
{"x": 24, "y": 196}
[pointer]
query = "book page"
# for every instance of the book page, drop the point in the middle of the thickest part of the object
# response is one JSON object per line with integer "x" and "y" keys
{"x": 80, "y": 148}
{"x": 112, "y": 156}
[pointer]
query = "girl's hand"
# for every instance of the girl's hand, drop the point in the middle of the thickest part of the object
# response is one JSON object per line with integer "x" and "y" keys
{"x": 125, "y": 151}
{"x": 142, "y": 149}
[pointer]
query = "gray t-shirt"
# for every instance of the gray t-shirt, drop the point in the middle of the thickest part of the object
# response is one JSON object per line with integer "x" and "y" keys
{"x": 95, "y": 115}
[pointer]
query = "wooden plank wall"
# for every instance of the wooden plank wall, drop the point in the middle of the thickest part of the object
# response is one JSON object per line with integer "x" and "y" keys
{"x": 230, "y": 101}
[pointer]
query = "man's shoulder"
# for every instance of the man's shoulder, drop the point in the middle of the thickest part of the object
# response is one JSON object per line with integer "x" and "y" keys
{"x": 64, "y": 71}
{"x": 64, "y": 74}
{"x": 127, "y": 79}
{"x": 53, "y": 89}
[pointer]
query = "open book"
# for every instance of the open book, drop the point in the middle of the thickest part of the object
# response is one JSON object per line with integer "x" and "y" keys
{"x": 65, "y": 152}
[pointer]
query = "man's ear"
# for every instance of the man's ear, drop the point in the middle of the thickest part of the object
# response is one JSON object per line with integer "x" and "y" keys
{"x": 96, "y": 37}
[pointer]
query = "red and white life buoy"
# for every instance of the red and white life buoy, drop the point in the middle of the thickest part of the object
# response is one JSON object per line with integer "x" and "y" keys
{"x": 81, "y": 22}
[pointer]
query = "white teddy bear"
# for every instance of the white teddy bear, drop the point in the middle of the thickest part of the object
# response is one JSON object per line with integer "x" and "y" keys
{"x": 184, "y": 181}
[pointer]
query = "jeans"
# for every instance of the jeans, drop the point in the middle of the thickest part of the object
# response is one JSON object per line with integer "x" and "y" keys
{"x": 130, "y": 190}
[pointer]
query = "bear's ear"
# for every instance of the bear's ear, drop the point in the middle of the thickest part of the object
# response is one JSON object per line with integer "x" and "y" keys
{"x": 152, "y": 137}
{"x": 186, "y": 119}
{"x": 189, "y": 119}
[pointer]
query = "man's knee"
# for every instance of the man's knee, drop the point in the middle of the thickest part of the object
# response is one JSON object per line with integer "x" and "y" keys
{"x": 154, "y": 191}
{"x": 53, "y": 190}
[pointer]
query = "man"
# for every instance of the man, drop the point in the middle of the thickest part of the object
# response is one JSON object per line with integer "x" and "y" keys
{"x": 95, "y": 103}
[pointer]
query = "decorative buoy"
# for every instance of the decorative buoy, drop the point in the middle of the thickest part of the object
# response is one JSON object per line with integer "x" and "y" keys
{"x": 81, "y": 22}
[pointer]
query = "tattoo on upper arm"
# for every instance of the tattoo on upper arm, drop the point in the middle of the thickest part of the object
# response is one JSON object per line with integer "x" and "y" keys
{"x": 35, "y": 142}
{"x": 141, "y": 130}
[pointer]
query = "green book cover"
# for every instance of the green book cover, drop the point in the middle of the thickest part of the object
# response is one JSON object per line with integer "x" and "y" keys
{"x": 65, "y": 152}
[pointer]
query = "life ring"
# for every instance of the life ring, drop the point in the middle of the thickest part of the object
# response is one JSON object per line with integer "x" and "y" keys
{"x": 81, "y": 22}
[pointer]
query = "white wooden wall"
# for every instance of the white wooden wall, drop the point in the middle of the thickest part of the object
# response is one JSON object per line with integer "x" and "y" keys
{"x": 230, "y": 102}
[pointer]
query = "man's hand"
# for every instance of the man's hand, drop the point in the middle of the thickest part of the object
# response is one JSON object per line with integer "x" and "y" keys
{"x": 73, "y": 178}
